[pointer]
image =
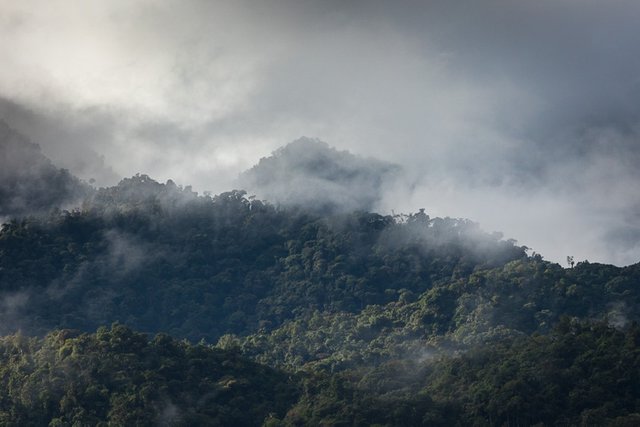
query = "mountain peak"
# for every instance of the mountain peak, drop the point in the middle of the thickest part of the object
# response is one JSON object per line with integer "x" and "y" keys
{"x": 309, "y": 171}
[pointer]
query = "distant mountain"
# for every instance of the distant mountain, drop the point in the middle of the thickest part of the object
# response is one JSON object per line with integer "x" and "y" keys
{"x": 309, "y": 173}
{"x": 29, "y": 182}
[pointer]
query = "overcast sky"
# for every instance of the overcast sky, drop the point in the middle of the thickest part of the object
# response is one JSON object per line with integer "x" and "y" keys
{"x": 523, "y": 116}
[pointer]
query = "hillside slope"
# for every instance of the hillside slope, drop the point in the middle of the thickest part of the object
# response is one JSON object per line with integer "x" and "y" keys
{"x": 29, "y": 182}
{"x": 305, "y": 315}
{"x": 159, "y": 258}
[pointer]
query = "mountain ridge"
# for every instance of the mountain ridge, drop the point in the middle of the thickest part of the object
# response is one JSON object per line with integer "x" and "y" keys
{"x": 356, "y": 318}
{"x": 29, "y": 182}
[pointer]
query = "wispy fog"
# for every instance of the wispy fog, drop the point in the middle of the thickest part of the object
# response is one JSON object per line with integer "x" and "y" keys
{"x": 520, "y": 115}
{"x": 308, "y": 173}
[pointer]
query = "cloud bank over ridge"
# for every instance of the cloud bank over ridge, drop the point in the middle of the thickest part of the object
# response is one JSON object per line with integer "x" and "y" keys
{"x": 522, "y": 116}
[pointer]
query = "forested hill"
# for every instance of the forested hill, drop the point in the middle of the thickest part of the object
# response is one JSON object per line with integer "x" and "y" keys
{"x": 160, "y": 258}
{"x": 309, "y": 173}
{"x": 353, "y": 318}
{"x": 29, "y": 182}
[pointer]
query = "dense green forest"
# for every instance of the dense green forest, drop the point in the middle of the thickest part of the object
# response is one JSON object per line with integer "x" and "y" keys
{"x": 119, "y": 377}
{"x": 248, "y": 313}
{"x": 161, "y": 259}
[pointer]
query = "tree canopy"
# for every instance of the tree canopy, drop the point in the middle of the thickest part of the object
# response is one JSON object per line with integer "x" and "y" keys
{"x": 302, "y": 317}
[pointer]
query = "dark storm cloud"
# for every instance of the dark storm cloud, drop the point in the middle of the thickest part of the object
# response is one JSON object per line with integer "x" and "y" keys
{"x": 520, "y": 115}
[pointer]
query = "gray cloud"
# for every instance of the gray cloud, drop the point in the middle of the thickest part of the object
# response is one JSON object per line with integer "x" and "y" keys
{"x": 308, "y": 173}
{"x": 71, "y": 142}
{"x": 520, "y": 115}
{"x": 29, "y": 183}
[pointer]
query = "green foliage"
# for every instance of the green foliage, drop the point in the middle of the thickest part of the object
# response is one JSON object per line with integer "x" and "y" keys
{"x": 580, "y": 374}
{"x": 119, "y": 377}
{"x": 159, "y": 258}
{"x": 517, "y": 299}
{"x": 403, "y": 320}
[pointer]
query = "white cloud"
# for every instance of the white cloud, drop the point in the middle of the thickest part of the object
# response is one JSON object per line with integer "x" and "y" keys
{"x": 520, "y": 115}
